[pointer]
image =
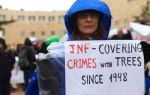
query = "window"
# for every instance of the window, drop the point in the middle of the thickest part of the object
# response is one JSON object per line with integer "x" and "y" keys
{"x": 33, "y": 33}
{"x": 21, "y": 18}
{"x": 126, "y": 21}
{"x": 43, "y": 33}
{"x": 51, "y": 18}
{"x": 41, "y": 18}
{"x": 32, "y": 18}
{"x": 2, "y": 17}
{"x": 60, "y": 18}
{"x": 12, "y": 18}
{"x": 52, "y": 33}
{"x": 22, "y": 33}
{"x": 130, "y": 0}
{"x": 65, "y": 32}
{"x": 116, "y": 22}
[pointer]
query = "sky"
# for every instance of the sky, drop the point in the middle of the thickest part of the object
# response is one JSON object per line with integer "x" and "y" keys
{"x": 36, "y": 5}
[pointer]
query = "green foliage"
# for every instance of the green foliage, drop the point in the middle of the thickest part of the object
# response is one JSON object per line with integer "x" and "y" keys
{"x": 6, "y": 22}
{"x": 145, "y": 15}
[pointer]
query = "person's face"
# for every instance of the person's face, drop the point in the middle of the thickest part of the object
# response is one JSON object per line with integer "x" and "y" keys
{"x": 87, "y": 22}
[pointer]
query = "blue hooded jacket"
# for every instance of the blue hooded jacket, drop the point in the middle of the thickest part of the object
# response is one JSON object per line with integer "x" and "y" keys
{"x": 33, "y": 88}
{"x": 79, "y": 5}
{"x": 82, "y": 5}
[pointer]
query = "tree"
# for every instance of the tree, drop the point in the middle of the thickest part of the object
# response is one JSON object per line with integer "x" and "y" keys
{"x": 145, "y": 14}
{"x": 4, "y": 23}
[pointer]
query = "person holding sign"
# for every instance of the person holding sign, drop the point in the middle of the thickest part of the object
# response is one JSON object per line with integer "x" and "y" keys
{"x": 88, "y": 20}
{"x": 85, "y": 20}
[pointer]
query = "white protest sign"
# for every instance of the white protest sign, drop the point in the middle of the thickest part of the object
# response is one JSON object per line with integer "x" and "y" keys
{"x": 104, "y": 68}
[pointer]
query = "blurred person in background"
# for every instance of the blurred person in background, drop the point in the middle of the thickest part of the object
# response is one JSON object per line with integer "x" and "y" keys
{"x": 7, "y": 61}
{"x": 47, "y": 42}
{"x": 28, "y": 67}
{"x": 33, "y": 88}
{"x": 119, "y": 35}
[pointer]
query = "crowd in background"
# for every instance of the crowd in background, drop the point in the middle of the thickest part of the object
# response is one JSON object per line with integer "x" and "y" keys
{"x": 7, "y": 56}
{"x": 7, "y": 61}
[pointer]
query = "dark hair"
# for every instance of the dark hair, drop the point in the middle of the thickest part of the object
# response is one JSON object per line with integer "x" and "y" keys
{"x": 3, "y": 43}
{"x": 28, "y": 42}
{"x": 75, "y": 31}
{"x": 3, "y": 47}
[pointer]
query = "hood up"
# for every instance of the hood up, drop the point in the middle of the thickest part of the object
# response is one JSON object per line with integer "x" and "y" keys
{"x": 83, "y": 5}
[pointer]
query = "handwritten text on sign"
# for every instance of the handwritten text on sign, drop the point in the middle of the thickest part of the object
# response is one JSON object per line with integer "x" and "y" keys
{"x": 104, "y": 67}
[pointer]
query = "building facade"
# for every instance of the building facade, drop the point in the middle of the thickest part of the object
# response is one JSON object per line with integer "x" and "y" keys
{"x": 45, "y": 24}
{"x": 124, "y": 11}
{"x": 31, "y": 24}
